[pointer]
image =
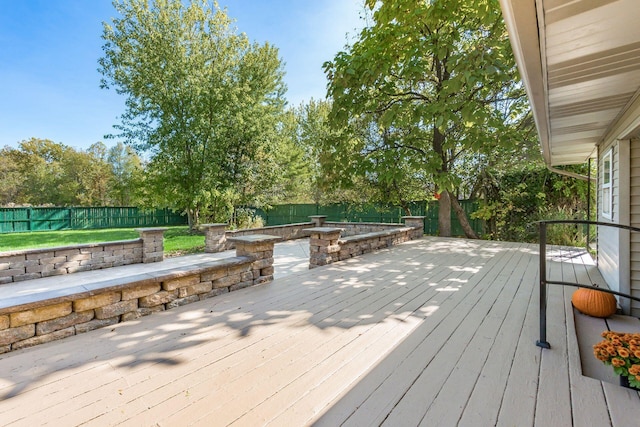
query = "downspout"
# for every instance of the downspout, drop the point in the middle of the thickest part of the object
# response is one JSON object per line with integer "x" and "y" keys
{"x": 588, "y": 205}
{"x": 587, "y": 178}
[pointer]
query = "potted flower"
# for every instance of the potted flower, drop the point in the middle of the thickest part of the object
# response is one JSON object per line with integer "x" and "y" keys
{"x": 622, "y": 351}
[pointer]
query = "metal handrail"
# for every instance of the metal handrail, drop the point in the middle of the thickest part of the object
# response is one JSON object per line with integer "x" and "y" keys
{"x": 542, "y": 229}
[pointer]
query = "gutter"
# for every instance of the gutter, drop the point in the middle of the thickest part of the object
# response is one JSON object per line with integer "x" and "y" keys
{"x": 571, "y": 174}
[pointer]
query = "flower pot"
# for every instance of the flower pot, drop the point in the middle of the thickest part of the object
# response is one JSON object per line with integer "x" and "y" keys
{"x": 624, "y": 382}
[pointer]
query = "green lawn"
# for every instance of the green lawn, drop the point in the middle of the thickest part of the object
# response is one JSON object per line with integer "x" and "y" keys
{"x": 177, "y": 240}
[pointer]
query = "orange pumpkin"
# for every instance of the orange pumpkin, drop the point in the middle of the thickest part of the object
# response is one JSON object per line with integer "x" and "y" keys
{"x": 593, "y": 302}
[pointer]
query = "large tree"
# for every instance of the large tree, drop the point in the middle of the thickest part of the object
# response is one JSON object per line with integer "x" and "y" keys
{"x": 126, "y": 175}
{"x": 201, "y": 99}
{"x": 435, "y": 80}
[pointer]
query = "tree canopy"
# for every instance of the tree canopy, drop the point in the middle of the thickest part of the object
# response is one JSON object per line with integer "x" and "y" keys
{"x": 202, "y": 100}
{"x": 429, "y": 82}
{"x": 43, "y": 172}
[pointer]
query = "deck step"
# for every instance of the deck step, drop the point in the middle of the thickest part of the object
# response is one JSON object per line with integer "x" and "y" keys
{"x": 589, "y": 332}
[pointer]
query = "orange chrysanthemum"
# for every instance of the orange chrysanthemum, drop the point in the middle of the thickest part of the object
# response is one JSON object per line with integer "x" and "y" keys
{"x": 618, "y": 362}
{"x": 634, "y": 370}
{"x": 620, "y": 350}
{"x": 623, "y": 352}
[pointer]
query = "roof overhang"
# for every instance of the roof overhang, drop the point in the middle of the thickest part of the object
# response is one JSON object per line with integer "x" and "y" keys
{"x": 580, "y": 63}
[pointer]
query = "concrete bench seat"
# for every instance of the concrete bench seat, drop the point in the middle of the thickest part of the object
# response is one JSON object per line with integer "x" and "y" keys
{"x": 374, "y": 234}
{"x": 47, "y": 309}
{"x": 589, "y": 330}
{"x": 328, "y": 245}
{"x": 39, "y": 292}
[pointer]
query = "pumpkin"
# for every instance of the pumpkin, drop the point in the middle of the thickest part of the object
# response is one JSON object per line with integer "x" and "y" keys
{"x": 593, "y": 302}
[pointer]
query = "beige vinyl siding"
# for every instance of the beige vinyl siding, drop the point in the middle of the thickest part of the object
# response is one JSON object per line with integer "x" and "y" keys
{"x": 634, "y": 206}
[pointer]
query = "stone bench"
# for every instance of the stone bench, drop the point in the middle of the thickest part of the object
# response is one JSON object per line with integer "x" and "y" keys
{"x": 218, "y": 238}
{"x": 25, "y": 322}
{"x": 326, "y": 245}
{"x": 28, "y": 264}
{"x": 588, "y": 333}
{"x": 352, "y": 246}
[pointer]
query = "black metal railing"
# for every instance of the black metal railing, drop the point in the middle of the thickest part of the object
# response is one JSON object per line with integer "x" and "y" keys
{"x": 542, "y": 229}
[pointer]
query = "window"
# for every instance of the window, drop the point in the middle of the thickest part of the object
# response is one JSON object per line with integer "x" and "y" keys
{"x": 606, "y": 185}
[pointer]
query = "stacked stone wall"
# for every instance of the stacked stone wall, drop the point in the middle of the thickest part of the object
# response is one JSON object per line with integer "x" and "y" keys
{"x": 353, "y": 246}
{"x": 44, "y": 321}
{"x": 329, "y": 244}
{"x": 17, "y": 266}
{"x": 218, "y": 239}
{"x": 356, "y": 228}
{"x": 285, "y": 232}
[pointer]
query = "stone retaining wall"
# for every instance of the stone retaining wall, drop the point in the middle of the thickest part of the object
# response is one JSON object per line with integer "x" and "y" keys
{"x": 355, "y": 228}
{"x": 218, "y": 238}
{"x": 43, "y": 321}
{"x": 327, "y": 244}
{"x": 16, "y": 266}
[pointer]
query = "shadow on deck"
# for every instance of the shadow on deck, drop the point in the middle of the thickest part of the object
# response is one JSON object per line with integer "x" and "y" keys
{"x": 431, "y": 332}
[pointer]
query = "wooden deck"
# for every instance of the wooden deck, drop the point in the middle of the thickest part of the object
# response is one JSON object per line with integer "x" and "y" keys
{"x": 434, "y": 332}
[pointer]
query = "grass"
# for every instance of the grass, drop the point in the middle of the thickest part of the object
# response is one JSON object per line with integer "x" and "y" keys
{"x": 177, "y": 240}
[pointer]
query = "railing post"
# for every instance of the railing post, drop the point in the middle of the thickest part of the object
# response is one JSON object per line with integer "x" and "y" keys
{"x": 542, "y": 342}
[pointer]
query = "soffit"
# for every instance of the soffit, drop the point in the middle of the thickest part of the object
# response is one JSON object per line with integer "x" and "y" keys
{"x": 586, "y": 73}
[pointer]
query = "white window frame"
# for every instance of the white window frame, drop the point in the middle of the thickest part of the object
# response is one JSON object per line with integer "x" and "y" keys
{"x": 607, "y": 184}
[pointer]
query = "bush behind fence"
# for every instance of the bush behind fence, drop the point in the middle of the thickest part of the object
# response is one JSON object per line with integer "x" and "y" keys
{"x": 15, "y": 220}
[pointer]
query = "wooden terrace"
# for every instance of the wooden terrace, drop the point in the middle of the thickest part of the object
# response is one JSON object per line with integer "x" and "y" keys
{"x": 433, "y": 332}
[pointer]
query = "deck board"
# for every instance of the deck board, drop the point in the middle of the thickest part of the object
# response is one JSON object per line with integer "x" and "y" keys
{"x": 450, "y": 380}
{"x": 431, "y": 332}
{"x": 587, "y": 398}
{"x": 495, "y": 373}
{"x": 487, "y": 354}
{"x": 399, "y": 372}
{"x": 553, "y": 406}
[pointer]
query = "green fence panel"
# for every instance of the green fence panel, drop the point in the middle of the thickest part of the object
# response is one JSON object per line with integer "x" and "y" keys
{"x": 15, "y": 220}
{"x": 289, "y": 214}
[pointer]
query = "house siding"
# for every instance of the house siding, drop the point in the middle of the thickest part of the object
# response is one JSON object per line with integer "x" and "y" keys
{"x": 634, "y": 212}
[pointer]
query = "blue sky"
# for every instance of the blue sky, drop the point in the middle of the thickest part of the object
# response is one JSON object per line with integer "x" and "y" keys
{"x": 50, "y": 86}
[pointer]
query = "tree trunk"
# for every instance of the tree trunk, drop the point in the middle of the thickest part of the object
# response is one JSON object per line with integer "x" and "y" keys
{"x": 193, "y": 217}
{"x": 444, "y": 215}
{"x": 444, "y": 204}
{"x": 403, "y": 203}
{"x": 464, "y": 221}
